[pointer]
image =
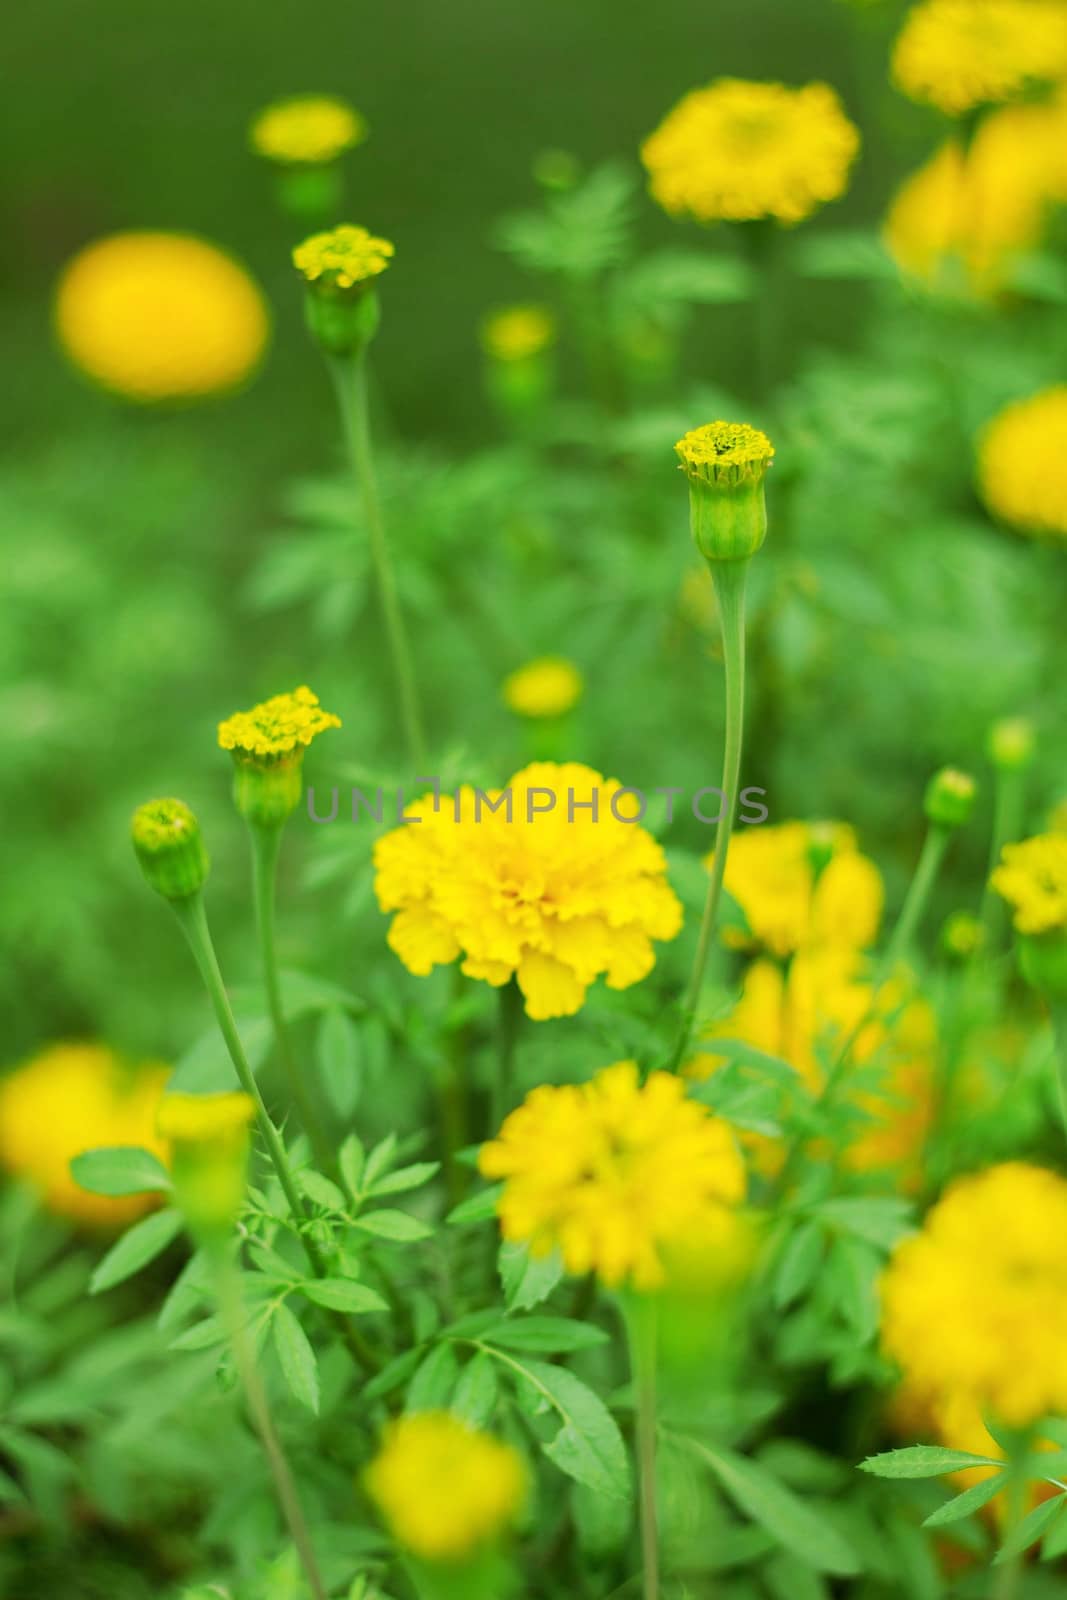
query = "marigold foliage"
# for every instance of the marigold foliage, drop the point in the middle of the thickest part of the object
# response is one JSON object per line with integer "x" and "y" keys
{"x": 515, "y": 333}
{"x": 1032, "y": 878}
{"x": 71, "y": 1098}
{"x": 444, "y": 1489}
{"x": 616, "y": 1175}
{"x": 282, "y": 726}
{"x": 737, "y": 151}
{"x": 550, "y": 897}
{"x": 342, "y": 258}
{"x": 550, "y": 686}
{"x": 1022, "y": 464}
{"x": 307, "y": 130}
{"x": 960, "y": 54}
{"x": 160, "y": 316}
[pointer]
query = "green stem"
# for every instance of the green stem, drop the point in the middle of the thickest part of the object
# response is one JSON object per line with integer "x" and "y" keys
{"x": 641, "y": 1324}
{"x": 509, "y": 1021}
{"x": 454, "y": 1106}
{"x": 350, "y": 381}
{"x": 1008, "y": 1581}
{"x": 729, "y": 578}
{"x": 771, "y": 297}
{"x": 1059, "y": 1032}
{"x": 266, "y": 842}
{"x": 1008, "y": 807}
{"x": 231, "y": 1301}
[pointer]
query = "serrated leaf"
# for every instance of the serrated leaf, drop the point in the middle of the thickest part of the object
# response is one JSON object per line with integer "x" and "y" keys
{"x": 1030, "y": 1529}
{"x": 798, "y": 1264}
{"x": 352, "y": 1159}
{"x": 137, "y": 1247}
{"x": 405, "y": 1179}
{"x": 341, "y": 1294}
{"x": 295, "y": 1356}
{"x": 879, "y": 1221}
{"x": 588, "y": 1446}
{"x": 396, "y": 1226}
{"x": 474, "y": 1397}
{"x": 379, "y": 1161}
{"x": 962, "y": 1505}
{"x": 120, "y": 1170}
{"x": 201, "y": 1336}
{"x": 435, "y": 1380}
{"x": 923, "y": 1461}
{"x": 320, "y": 1191}
{"x": 337, "y": 1056}
{"x": 479, "y": 1207}
{"x": 791, "y": 1522}
{"x": 552, "y": 1335}
{"x": 527, "y": 1279}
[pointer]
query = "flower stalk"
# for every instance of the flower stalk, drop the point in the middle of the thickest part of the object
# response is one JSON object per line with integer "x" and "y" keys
{"x": 642, "y": 1328}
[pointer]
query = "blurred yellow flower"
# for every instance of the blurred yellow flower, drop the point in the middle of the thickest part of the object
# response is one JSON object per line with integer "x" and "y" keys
{"x": 192, "y": 1119}
{"x": 345, "y": 257}
{"x": 445, "y": 1489}
{"x": 160, "y": 316}
{"x": 973, "y": 1306}
{"x": 737, "y": 151}
{"x": 550, "y": 686}
{"x": 544, "y": 880}
{"x": 616, "y": 1175}
{"x": 802, "y": 885}
{"x": 515, "y": 333}
{"x": 960, "y": 54}
{"x": 71, "y": 1098}
{"x": 307, "y": 130}
{"x": 282, "y": 726}
{"x": 1032, "y": 878}
{"x": 1022, "y": 464}
{"x": 209, "y": 1142}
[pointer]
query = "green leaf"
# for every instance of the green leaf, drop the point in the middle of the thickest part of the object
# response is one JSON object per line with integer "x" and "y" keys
{"x": 341, "y": 1294}
{"x": 480, "y": 1207}
{"x": 396, "y": 1226}
{"x": 923, "y": 1461}
{"x": 962, "y": 1505}
{"x": 527, "y": 1279}
{"x": 799, "y": 1264}
{"x": 320, "y": 1191}
{"x": 878, "y": 1221}
{"x": 550, "y": 1334}
{"x": 337, "y": 1056}
{"x": 138, "y": 1246}
{"x": 404, "y": 1178}
{"x": 432, "y": 1387}
{"x": 790, "y": 1521}
{"x": 299, "y": 1366}
{"x": 201, "y": 1336}
{"x": 588, "y": 1446}
{"x": 379, "y": 1161}
{"x": 352, "y": 1159}
{"x": 118, "y": 1170}
{"x": 843, "y": 253}
{"x": 475, "y": 1395}
{"x": 1030, "y": 1529}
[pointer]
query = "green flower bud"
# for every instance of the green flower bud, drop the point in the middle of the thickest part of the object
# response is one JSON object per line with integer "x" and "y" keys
{"x": 950, "y": 797}
{"x": 726, "y": 463}
{"x": 168, "y": 844}
{"x": 339, "y": 267}
{"x": 268, "y": 745}
{"x": 962, "y": 935}
{"x": 1010, "y": 744}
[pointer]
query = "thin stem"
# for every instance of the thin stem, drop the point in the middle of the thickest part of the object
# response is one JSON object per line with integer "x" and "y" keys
{"x": 350, "y": 381}
{"x": 768, "y": 260}
{"x": 1009, "y": 1575}
{"x": 266, "y": 842}
{"x": 509, "y": 1020}
{"x": 641, "y": 1323}
{"x": 1059, "y": 1031}
{"x": 1008, "y": 806}
{"x": 231, "y": 1302}
{"x": 454, "y": 1106}
{"x": 729, "y": 578}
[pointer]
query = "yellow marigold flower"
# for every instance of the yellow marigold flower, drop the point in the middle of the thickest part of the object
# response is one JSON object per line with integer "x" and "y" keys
{"x": 724, "y": 454}
{"x": 793, "y": 897}
{"x": 444, "y": 1489}
{"x": 737, "y": 151}
{"x": 973, "y": 1306}
{"x": 281, "y": 727}
{"x": 550, "y": 686}
{"x": 1022, "y": 464}
{"x": 307, "y": 130}
{"x": 71, "y": 1098}
{"x": 959, "y": 54}
{"x": 160, "y": 316}
{"x": 209, "y": 1139}
{"x": 614, "y": 1174}
{"x": 544, "y": 880}
{"x": 343, "y": 258}
{"x": 516, "y": 333}
{"x": 1032, "y": 878}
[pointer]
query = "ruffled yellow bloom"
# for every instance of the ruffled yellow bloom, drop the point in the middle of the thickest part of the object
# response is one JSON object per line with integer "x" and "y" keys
{"x": 516, "y": 333}
{"x": 1032, "y": 878}
{"x": 282, "y": 726}
{"x": 69, "y": 1099}
{"x": 160, "y": 316}
{"x": 737, "y": 151}
{"x": 1022, "y": 464}
{"x": 548, "y": 687}
{"x": 616, "y": 1175}
{"x": 973, "y": 1306}
{"x": 959, "y": 54}
{"x": 343, "y": 258}
{"x": 307, "y": 130}
{"x": 542, "y": 888}
{"x": 802, "y": 885}
{"x": 444, "y": 1489}
{"x": 724, "y": 453}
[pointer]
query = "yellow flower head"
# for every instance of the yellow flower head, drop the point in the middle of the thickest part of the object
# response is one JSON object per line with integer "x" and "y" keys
{"x": 616, "y": 1175}
{"x": 802, "y": 885}
{"x": 737, "y": 151}
{"x": 1022, "y": 464}
{"x": 959, "y": 54}
{"x": 550, "y": 686}
{"x": 444, "y": 1489}
{"x": 516, "y": 333}
{"x": 307, "y": 130}
{"x": 209, "y": 1142}
{"x": 1032, "y": 878}
{"x": 277, "y": 730}
{"x": 160, "y": 316}
{"x": 344, "y": 258}
{"x": 204, "y": 1118}
{"x": 973, "y": 1305}
{"x": 555, "y": 886}
{"x": 71, "y": 1098}
{"x": 725, "y": 453}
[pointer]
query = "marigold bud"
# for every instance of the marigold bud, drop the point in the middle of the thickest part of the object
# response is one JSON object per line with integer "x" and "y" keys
{"x": 962, "y": 935}
{"x": 267, "y": 745}
{"x": 168, "y": 844}
{"x": 209, "y": 1139}
{"x": 1011, "y": 743}
{"x": 950, "y": 797}
{"x": 725, "y": 463}
{"x": 339, "y": 267}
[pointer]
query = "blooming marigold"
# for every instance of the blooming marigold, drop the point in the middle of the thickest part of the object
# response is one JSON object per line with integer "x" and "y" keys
{"x": 959, "y": 54}
{"x": 307, "y": 130}
{"x": 1022, "y": 464}
{"x": 550, "y": 686}
{"x": 342, "y": 258}
{"x": 71, "y": 1098}
{"x": 281, "y": 727}
{"x": 160, "y": 316}
{"x": 443, "y": 1488}
{"x": 973, "y": 1306}
{"x": 1032, "y": 877}
{"x": 540, "y": 881}
{"x": 616, "y": 1175}
{"x": 737, "y": 151}
{"x": 515, "y": 333}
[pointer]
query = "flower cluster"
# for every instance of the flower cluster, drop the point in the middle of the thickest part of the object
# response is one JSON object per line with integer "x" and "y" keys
{"x": 737, "y": 151}
{"x": 278, "y": 729}
{"x": 960, "y": 54}
{"x": 1032, "y": 877}
{"x": 1022, "y": 464}
{"x": 540, "y": 881}
{"x": 550, "y": 686}
{"x": 344, "y": 258}
{"x": 616, "y": 1175}
{"x": 307, "y": 130}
